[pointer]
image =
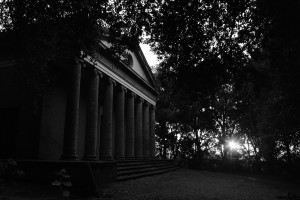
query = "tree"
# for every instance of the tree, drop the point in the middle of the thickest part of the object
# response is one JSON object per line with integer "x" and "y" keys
{"x": 225, "y": 116}
{"x": 43, "y": 32}
{"x": 205, "y": 46}
{"x": 251, "y": 47}
{"x": 274, "y": 92}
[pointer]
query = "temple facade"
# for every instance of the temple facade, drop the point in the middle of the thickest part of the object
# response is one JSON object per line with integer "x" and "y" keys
{"x": 97, "y": 108}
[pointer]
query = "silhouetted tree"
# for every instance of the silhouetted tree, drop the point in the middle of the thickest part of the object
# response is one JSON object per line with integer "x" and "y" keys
{"x": 44, "y": 31}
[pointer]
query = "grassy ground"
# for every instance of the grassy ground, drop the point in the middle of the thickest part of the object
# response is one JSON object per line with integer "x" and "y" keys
{"x": 181, "y": 184}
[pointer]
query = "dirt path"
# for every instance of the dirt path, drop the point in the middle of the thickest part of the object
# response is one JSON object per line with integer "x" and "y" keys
{"x": 204, "y": 185}
{"x": 181, "y": 184}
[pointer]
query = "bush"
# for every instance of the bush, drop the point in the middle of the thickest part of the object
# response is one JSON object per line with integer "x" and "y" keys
{"x": 9, "y": 170}
{"x": 232, "y": 165}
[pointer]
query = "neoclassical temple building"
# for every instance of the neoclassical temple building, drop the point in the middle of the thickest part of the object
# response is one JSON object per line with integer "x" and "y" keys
{"x": 95, "y": 118}
{"x": 97, "y": 108}
{"x": 108, "y": 111}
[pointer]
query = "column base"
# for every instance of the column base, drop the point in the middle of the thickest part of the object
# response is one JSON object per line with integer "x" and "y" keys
{"x": 139, "y": 158}
{"x": 69, "y": 157}
{"x": 106, "y": 158}
{"x": 90, "y": 158}
{"x": 130, "y": 158}
{"x": 119, "y": 157}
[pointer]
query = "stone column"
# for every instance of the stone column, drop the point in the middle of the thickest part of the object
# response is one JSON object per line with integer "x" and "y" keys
{"x": 90, "y": 151}
{"x": 72, "y": 114}
{"x": 138, "y": 151}
{"x": 152, "y": 132}
{"x": 106, "y": 134}
{"x": 146, "y": 143}
{"x": 120, "y": 123}
{"x": 129, "y": 147}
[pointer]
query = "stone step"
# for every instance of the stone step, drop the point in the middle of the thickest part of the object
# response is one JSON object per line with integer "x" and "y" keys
{"x": 144, "y": 174}
{"x": 136, "y": 162}
{"x": 142, "y": 166}
{"x": 142, "y": 170}
{"x": 131, "y": 169}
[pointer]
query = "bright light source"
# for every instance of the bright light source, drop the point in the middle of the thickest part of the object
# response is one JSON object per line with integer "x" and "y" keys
{"x": 233, "y": 144}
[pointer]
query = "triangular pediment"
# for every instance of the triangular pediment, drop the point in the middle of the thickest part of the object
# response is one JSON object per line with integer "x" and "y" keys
{"x": 138, "y": 66}
{"x": 136, "y": 61}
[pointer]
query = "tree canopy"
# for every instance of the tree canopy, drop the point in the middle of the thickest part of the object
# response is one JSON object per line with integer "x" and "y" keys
{"x": 229, "y": 68}
{"x": 234, "y": 65}
{"x": 41, "y": 32}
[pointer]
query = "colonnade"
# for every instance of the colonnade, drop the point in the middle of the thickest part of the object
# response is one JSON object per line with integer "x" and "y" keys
{"x": 134, "y": 134}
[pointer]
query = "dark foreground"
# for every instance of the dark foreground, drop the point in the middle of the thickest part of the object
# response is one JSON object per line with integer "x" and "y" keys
{"x": 180, "y": 184}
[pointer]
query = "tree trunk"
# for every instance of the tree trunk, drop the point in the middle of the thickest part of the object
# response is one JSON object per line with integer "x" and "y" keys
{"x": 197, "y": 144}
{"x": 223, "y": 129}
{"x": 164, "y": 149}
{"x": 288, "y": 152}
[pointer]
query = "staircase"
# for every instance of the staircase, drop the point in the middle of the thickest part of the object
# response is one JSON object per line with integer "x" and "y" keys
{"x": 132, "y": 169}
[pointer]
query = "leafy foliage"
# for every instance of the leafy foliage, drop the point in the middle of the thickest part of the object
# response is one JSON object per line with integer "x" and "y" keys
{"x": 10, "y": 170}
{"x": 44, "y": 32}
{"x": 233, "y": 65}
{"x": 230, "y": 68}
{"x": 63, "y": 182}
{"x": 206, "y": 46}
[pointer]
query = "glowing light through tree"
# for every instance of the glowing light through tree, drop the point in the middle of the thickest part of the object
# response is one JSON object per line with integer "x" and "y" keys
{"x": 233, "y": 145}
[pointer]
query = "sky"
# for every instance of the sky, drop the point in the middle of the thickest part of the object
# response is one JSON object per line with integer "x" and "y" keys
{"x": 150, "y": 55}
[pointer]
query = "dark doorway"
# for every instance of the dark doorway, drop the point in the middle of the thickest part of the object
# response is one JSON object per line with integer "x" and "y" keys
{"x": 8, "y": 131}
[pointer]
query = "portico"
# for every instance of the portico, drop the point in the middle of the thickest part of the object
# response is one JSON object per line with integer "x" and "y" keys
{"x": 98, "y": 112}
{"x": 94, "y": 118}
{"x": 127, "y": 120}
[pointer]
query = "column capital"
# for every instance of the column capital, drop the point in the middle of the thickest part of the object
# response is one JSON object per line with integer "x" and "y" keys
{"x": 152, "y": 107}
{"x": 125, "y": 89}
{"x": 78, "y": 60}
{"x": 100, "y": 74}
{"x": 83, "y": 64}
{"x": 97, "y": 72}
{"x": 122, "y": 88}
{"x": 112, "y": 81}
{"x": 140, "y": 99}
{"x": 94, "y": 71}
{"x": 146, "y": 103}
{"x": 131, "y": 94}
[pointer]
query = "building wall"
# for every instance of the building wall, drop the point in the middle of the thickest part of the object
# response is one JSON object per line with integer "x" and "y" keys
{"x": 52, "y": 123}
{"x": 28, "y": 128}
{"x": 9, "y": 113}
{"x": 20, "y": 117}
{"x": 9, "y": 88}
